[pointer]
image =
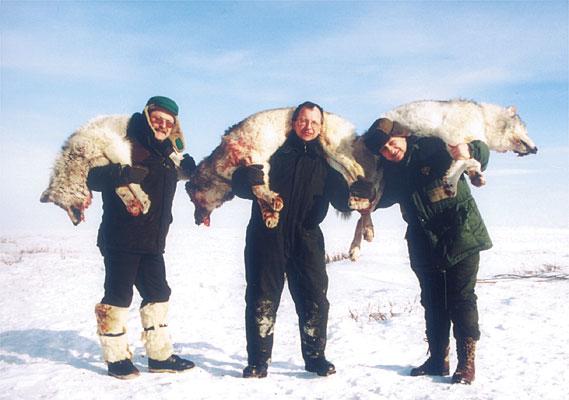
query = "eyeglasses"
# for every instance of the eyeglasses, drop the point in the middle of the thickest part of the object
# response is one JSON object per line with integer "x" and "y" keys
{"x": 161, "y": 121}
{"x": 305, "y": 122}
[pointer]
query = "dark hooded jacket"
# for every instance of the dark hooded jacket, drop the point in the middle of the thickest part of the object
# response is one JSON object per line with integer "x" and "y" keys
{"x": 145, "y": 233}
{"x": 307, "y": 184}
{"x": 442, "y": 230}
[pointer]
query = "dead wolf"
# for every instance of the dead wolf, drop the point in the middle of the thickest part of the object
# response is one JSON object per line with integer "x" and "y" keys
{"x": 462, "y": 121}
{"x": 100, "y": 141}
{"x": 253, "y": 141}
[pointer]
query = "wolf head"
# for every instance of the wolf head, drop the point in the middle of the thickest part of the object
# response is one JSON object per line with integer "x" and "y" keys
{"x": 207, "y": 191}
{"x": 74, "y": 202}
{"x": 513, "y": 133}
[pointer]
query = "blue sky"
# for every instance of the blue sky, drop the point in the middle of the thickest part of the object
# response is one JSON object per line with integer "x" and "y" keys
{"x": 63, "y": 63}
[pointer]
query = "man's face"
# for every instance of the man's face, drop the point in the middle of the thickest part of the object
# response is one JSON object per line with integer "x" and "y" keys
{"x": 308, "y": 124}
{"x": 395, "y": 148}
{"x": 163, "y": 123}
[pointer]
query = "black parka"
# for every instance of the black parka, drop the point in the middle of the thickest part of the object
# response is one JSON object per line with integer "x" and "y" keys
{"x": 307, "y": 184}
{"x": 441, "y": 230}
{"x": 145, "y": 233}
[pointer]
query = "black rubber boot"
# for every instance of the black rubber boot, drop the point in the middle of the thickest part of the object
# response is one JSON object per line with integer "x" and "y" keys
{"x": 437, "y": 365}
{"x": 320, "y": 366}
{"x": 255, "y": 371}
{"x": 171, "y": 364}
{"x": 123, "y": 369}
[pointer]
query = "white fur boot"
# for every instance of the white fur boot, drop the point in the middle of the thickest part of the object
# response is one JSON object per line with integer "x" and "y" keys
{"x": 155, "y": 337}
{"x": 111, "y": 328}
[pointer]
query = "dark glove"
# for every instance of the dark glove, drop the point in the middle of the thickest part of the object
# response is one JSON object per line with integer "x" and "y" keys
{"x": 188, "y": 164}
{"x": 254, "y": 174}
{"x": 362, "y": 188}
{"x": 131, "y": 174}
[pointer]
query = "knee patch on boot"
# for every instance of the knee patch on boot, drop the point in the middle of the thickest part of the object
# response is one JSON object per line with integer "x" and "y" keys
{"x": 155, "y": 337}
{"x": 111, "y": 328}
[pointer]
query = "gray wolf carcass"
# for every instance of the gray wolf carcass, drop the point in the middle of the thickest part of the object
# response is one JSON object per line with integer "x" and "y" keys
{"x": 455, "y": 121}
{"x": 462, "y": 121}
{"x": 100, "y": 141}
{"x": 253, "y": 141}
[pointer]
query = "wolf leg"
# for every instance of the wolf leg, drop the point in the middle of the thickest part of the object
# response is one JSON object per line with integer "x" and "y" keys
{"x": 356, "y": 244}
{"x": 455, "y": 171}
{"x": 134, "y": 198}
{"x": 368, "y": 231}
{"x": 141, "y": 196}
{"x": 270, "y": 198}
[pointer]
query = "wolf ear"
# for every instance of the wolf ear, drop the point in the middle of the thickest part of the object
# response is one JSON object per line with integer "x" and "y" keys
{"x": 46, "y": 197}
{"x": 512, "y": 110}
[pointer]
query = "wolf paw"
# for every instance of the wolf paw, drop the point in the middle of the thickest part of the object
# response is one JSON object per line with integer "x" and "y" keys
{"x": 358, "y": 203}
{"x": 277, "y": 203}
{"x": 134, "y": 199}
{"x": 354, "y": 253}
{"x": 140, "y": 196}
{"x": 449, "y": 189}
{"x": 368, "y": 233}
{"x": 271, "y": 219}
{"x": 477, "y": 179}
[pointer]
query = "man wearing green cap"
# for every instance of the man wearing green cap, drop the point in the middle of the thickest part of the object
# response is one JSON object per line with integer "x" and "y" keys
{"x": 445, "y": 235}
{"x": 133, "y": 244}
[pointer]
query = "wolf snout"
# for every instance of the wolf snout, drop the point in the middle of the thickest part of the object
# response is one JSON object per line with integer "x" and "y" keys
{"x": 528, "y": 149}
{"x": 202, "y": 217}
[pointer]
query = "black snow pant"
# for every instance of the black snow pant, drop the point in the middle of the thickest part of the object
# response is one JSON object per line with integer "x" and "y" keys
{"x": 308, "y": 285}
{"x": 124, "y": 270}
{"x": 448, "y": 296}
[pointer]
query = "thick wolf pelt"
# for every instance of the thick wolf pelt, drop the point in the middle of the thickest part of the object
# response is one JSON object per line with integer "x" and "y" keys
{"x": 253, "y": 141}
{"x": 462, "y": 121}
{"x": 99, "y": 142}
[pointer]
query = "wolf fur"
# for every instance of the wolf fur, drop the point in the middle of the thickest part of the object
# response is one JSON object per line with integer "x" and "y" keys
{"x": 253, "y": 141}
{"x": 111, "y": 329}
{"x": 99, "y": 142}
{"x": 455, "y": 122}
{"x": 462, "y": 121}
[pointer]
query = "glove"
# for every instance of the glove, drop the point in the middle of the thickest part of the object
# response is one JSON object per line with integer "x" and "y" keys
{"x": 254, "y": 174}
{"x": 362, "y": 188}
{"x": 131, "y": 174}
{"x": 188, "y": 164}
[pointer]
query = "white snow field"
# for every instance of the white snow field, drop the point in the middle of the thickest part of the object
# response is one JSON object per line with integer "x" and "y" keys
{"x": 51, "y": 281}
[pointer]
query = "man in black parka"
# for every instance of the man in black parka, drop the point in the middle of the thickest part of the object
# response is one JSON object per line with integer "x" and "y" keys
{"x": 295, "y": 248}
{"x": 133, "y": 244}
{"x": 445, "y": 235}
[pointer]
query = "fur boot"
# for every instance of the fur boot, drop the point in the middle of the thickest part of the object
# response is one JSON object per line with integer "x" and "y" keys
{"x": 155, "y": 337}
{"x": 111, "y": 328}
{"x": 465, "y": 371}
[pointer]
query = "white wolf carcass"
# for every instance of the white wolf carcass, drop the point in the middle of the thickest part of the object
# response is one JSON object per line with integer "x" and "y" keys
{"x": 253, "y": 141}
{"x": 456, "y": 121}
{"x": 462, "y": 121}
{"x": 99, "y": 142}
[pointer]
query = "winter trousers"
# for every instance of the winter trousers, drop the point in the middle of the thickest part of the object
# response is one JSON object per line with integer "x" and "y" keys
{"x": 448, "y": 296}
{"x": 308, "y": 285}
{"x": 124, "y": 270}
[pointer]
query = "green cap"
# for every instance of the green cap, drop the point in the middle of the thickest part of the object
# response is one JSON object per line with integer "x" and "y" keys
{"x": 165, "y": 103}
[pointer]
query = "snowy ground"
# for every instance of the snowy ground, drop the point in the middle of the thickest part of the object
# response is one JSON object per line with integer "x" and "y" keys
{"x": 51, "y": 282}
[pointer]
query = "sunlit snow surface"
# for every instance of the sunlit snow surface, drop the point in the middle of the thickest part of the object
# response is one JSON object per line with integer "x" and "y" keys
{"x": 49, "y": 348}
